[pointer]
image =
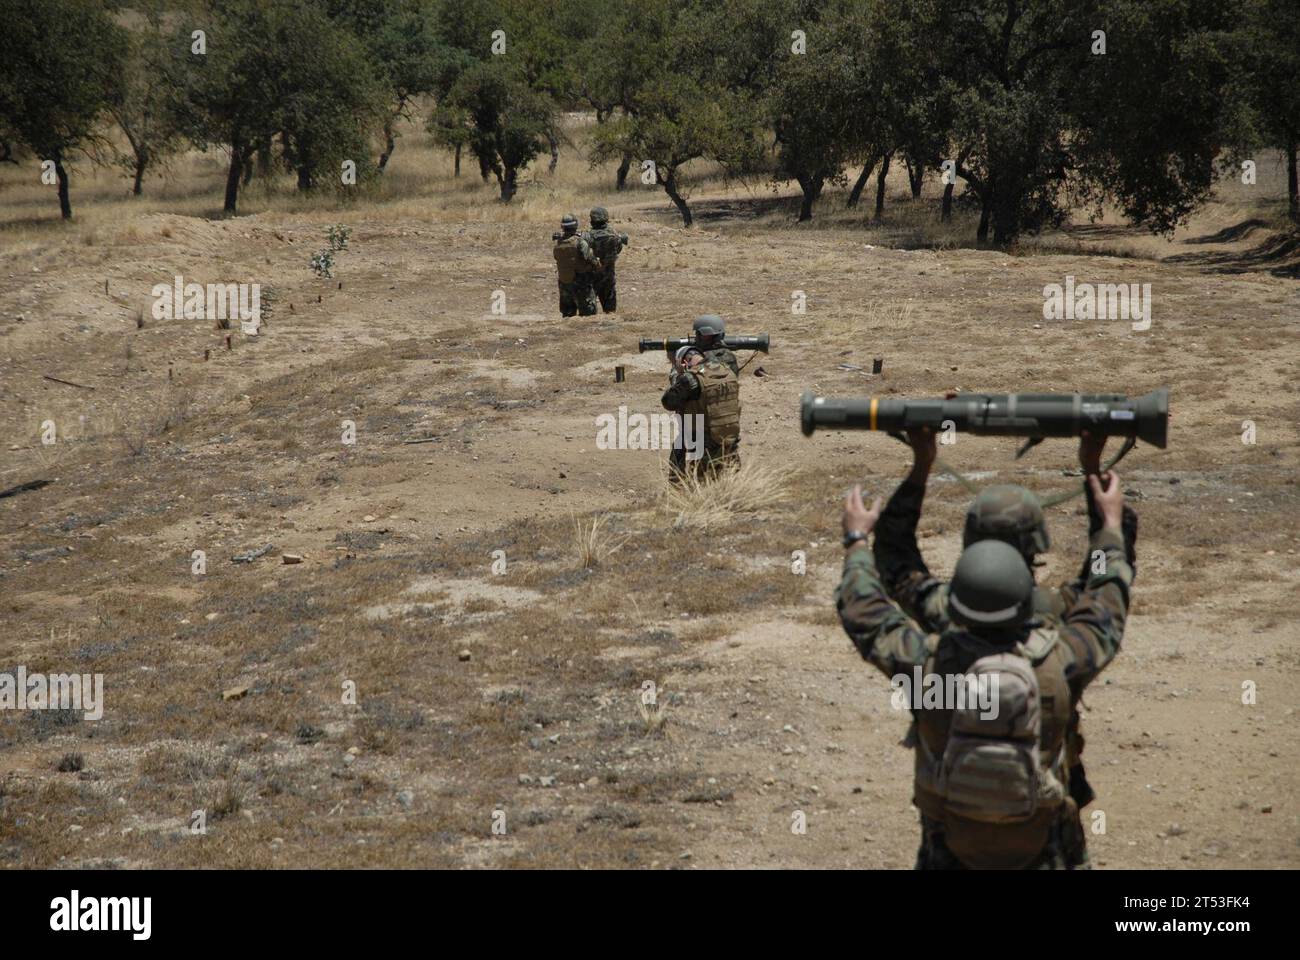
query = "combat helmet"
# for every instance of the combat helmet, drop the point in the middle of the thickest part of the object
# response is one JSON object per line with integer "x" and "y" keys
{"x": 991, "y": 588}
{"x": 1011, "y": 514}
{"x": 709, "y": 325}
{"x": 569, "y": 223}
{"x": 599, "y": 216}
{"x": 683, "y": 352}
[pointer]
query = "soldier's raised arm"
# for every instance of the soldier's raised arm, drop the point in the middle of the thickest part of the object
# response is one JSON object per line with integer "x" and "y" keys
{"x": 1093, "y": 626}
{"x": 1090, "y": 451}
{"x": 883, "y": 634}
{"x": 898, "y": 556}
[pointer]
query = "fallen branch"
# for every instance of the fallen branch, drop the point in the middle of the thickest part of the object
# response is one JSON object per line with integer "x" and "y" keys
{"x": 24, "y": 487}
{"x": 68, "y": 382}
{"x": 252, "y": 555}
{"x": 422, "y": 440}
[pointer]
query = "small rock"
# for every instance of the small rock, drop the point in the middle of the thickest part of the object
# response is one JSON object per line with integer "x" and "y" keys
{"x": 525, "y": 779}
{"x": 547, "y": 781}
{"x": 406, "y": 798}
{"x": 234, "y": 693}
{"x": 464, "y": 656}
{"x": 291, "y": 557}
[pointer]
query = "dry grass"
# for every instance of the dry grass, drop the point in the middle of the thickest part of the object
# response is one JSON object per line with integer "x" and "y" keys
{"x": 701, "y": 503}
{"x": 654, "y": 717}
{"x": 593, "y": 541}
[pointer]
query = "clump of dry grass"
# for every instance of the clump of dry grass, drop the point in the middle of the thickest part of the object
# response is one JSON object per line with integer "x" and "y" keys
{"x": 593, "y": 540}
{"x": 654, "y": 716}
{"x": 704, "y": 503}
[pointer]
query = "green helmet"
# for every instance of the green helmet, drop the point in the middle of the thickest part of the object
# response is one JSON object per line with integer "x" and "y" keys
{"x": 569, "y": 223}
{"x": 709, "y": 325}
{"x": 991, "y": 587}
{"x": 599, "y": 216}
{"x": 1011, "y": 514}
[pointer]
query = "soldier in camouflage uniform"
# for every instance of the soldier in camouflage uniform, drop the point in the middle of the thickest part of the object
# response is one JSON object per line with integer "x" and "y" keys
{"x": 606, "y": 244}
{"x": 576, "y": 265}
{"x": 1003, "y": 512}
{"x": 709, "y": 391}
{"x": 962, "y": 781}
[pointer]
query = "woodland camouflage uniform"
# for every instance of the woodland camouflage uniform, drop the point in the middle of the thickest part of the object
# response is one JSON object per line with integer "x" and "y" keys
{"x": 1068, "y": 650}
{"x": 606, "y": 244}
{"x": 1011, "y": 514}
{"x": 575, "y": 263}
{"x": 711, "y": 390}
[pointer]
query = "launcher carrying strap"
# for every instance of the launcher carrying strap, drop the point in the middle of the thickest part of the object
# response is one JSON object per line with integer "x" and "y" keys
{"x": 1049, "y": 501}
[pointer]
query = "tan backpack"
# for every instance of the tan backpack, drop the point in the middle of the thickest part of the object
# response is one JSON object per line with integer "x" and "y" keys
{"x": 999, "y": 796}
{"x": 720, "y": 403}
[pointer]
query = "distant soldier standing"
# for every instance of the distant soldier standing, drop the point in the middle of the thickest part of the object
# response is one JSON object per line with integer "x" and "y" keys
{"x": 606, "y": 244}
{"x": 575, "y": 262}
{"x": 705, "y": 392}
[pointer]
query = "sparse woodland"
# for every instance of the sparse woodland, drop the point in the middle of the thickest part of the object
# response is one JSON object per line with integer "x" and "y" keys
{"x": 1025, "y": 110}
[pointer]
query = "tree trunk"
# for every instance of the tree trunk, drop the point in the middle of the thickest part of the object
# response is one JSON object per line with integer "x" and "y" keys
{"x": 484, "y": 168}
{"x": 65, "y": 205}
{"x": 1293, "y": 182}
{"x": 304, "y": 178}
{"x": 620, "y": 182}
{"x": 247, "y": 176}
{"x": 982, "y": 233}
{"x": 1006, "y": 218}
{"x": 555, "y": 152}
{"x": 670, "y": 187}
{"x": 856, "y": 193}
{"x": 880, "y": 185}
{"x": 457, "y": 171}
{"x": 915, "y": 177}
{"x": 509, "y": 183}
{"x": 140, "y": 164}
{"x": 390, "y": 144}
{"x": 812, "y": 189}
{"x": 946, "y": 213}
{"x": 232, "y": 179}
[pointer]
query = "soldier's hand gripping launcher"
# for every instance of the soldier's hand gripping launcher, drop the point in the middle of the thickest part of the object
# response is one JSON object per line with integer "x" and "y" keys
{"x": 1032, "y": 415}
{"x": 670, "y": 345}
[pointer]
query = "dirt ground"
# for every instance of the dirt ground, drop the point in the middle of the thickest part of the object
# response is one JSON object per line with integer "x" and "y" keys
{"x": 512, "y": 699}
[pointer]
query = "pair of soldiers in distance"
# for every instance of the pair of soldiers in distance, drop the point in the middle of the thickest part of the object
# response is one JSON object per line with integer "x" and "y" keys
{"x": 585, "y": 263}
{"x": 704, "y": 390}
{"x": 1007, "y": 791}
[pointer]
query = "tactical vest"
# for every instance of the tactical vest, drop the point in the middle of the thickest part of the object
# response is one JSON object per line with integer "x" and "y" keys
{"x": 719, "y": 401}
{"x": 568, "y": 257}
{"x": 605, "y": 244}
{"x": 997, "y": 798}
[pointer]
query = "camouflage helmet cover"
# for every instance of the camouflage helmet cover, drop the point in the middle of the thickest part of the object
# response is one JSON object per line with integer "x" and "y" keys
{"x": 599, "y": 216}
{"x": 569, "y": 222}
{"x": 684, "y": 354}
{"x": 1008, "y": 513}
{"x": 709, "y": 325}
{"x": 991, "y": 587}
